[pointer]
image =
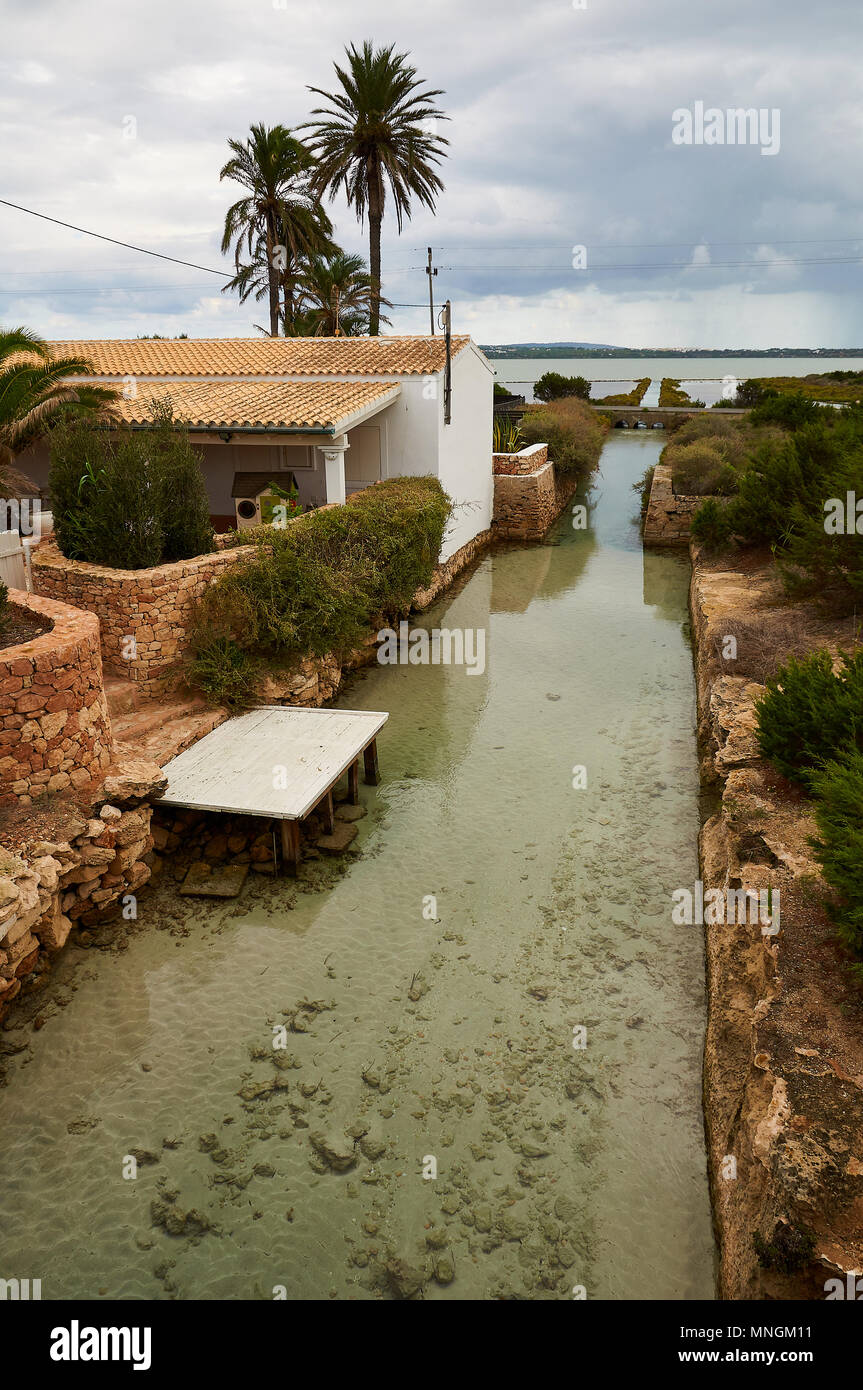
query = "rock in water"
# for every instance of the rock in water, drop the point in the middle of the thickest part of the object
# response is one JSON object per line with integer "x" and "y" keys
{"x": 336, "y": 1151}
{"x": 404, "y": 1281}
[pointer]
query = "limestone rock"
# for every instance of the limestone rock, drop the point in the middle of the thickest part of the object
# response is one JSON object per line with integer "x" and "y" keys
{"x": 335, "y": 1150}
{"x": 135, "y": 779}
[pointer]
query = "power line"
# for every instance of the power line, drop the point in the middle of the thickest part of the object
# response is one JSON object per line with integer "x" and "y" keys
{"x": 656, "y": 245}
{"x": 672, "y": 265}
{"x": 127, "y": 244}
{"x": 24, "y": 291}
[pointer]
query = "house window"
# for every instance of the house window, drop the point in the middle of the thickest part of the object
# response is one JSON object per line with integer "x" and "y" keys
{"x": 294, "y": 456}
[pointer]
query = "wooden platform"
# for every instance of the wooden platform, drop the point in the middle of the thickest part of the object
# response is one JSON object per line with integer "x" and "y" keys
{"x": 280, "y": 761}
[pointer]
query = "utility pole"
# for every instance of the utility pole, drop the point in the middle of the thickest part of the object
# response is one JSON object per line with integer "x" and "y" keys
{"x": 431, "y": 271}
{"x": 447, "y": 388}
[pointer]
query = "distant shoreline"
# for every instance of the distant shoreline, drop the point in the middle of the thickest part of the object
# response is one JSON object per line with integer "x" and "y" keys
{"x": 506, "y": 350}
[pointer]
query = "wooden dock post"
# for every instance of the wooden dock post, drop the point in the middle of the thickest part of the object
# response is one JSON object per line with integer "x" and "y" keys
{"x": 326, "y": 806}
{"x": 354, "y": 782}
{"x": 291, "y": 845}
{"x": 370, "y": 764}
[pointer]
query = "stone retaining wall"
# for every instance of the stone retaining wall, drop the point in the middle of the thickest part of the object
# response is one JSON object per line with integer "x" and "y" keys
{"x": 669, "y": 516}
{"x": 151, "y": 606}
{"x": 55, "y": 733}
{"x": 77, "y": 877}
{"x": 527, "y": 494}
{"x": 527, "y": 460}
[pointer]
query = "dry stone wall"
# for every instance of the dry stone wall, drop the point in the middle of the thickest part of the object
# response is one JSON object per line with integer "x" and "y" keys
{"x": 55, "y": 734}
{"x": 48, "y": 886}
{"x": 669, "y": 516}
{"x": 152, "y": 607}
{"x": 529, "y": 493}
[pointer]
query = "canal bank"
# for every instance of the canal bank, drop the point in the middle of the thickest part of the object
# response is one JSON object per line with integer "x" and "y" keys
{"x": 490, "y": 1078}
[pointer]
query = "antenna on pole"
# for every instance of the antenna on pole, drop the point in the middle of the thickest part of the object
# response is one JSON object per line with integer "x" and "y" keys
{"x": 447, "y": 381}
{"x": 431, "y": 271}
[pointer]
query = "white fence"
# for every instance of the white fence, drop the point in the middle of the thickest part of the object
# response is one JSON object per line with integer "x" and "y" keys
{"x": 15, "y": 561}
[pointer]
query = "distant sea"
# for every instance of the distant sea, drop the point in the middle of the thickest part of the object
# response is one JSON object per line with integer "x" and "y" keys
{"x": 611, "y": 375}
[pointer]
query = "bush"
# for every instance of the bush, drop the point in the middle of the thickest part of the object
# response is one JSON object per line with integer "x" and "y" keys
{"x": 130, "y": 502}
{"x": 838, "y": 792}
{"x": 711, "y": 524}
{"x": 573, "y": 431}
{"x": 700, "y": 469}
{"x": 809, "y": 714}
{"x": 789, "y": 1249}
{"x": 705, "y": 427}
{"x": 551, "y": 386}
{"x": 318, "y": 586}
{"x": 506, "y": 437}
{"x": 181, "y": 494}
{"x": 4, "y": 605}
{"x": 642, "y": 487}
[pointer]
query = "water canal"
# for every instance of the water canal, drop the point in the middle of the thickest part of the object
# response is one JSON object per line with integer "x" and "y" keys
{"x": 434, "y": 982}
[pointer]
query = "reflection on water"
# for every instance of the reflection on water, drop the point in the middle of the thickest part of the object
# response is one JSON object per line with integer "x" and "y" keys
{"x": 434, "y": 987}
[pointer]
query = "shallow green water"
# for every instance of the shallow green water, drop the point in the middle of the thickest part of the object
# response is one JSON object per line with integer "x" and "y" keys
{"x": 556, "y": 1166}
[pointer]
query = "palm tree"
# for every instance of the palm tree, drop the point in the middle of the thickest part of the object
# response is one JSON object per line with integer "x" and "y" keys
{"x": 336, "y": 295}
{"x": 35, "y": 394}
{"x": 278, "y": 211}
{"x": 378, "y": 132}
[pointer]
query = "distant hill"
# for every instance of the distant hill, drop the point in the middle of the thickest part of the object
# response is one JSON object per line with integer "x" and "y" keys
{"x": 503, "y": 350}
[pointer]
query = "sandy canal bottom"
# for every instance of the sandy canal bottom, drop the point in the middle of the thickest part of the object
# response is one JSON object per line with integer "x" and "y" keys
{"x": 556, "y": 1166}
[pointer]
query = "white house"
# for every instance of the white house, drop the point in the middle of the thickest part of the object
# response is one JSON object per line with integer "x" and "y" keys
{"x": 336, "y": 413}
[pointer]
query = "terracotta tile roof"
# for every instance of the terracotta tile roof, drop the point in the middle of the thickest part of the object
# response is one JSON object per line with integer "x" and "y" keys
{"x": 220, "y": 405}
{"x": 233, "y": 357}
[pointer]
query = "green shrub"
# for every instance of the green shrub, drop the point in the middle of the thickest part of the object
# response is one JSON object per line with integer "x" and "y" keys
{"x": 710, "y": 524}
{"x": 318, "y": 586}
{"x": 700, "y": 469}
{"x": 789, "y": 1249}
{"x": 838, "y": 792}
{"x": 573, "y": 431}
{"x": 4, "y": 605}
{"x": 552, "y": 386}
{"x": 226, "y": 672}
{"x": 506, "y": 437}
{"x": 642, "y": 487}
{"x": 705, "y": 427}
{"x": 808, "y": 714}
{"x": 181, "y": 495}
{"x": 129, "y": 502}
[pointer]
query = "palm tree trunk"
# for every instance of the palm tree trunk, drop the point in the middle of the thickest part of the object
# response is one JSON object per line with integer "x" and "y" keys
{"x": 273, "y": 276}
{"x": 376, "y": 217}
{"x": 375, "y": 268}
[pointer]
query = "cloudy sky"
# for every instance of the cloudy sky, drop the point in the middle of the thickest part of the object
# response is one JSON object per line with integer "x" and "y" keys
{"x": 115, "y": 117}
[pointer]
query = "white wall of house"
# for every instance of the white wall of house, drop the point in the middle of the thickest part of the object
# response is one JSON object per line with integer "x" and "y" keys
{"x": 464, "y": 449}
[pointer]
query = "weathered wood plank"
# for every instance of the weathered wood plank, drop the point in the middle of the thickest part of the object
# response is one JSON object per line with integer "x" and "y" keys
{"x": 278, "y": 761}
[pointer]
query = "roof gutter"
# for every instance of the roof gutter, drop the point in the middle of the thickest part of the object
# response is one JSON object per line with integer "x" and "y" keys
{"x": 328, "y": 431}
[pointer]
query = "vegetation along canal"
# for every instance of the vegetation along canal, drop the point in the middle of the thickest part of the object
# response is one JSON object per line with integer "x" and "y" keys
{"x": 490, "y": 1083}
